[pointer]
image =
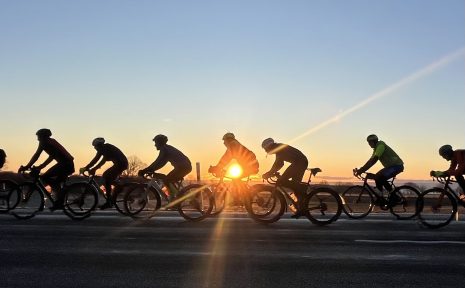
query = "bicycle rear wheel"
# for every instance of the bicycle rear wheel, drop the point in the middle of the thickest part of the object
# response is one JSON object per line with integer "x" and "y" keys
{"x": 141, "y": 202}
{"x": 30, "y": 200}
{"x": 195, "y": 202}
{"x": 7, "y": 202}
{"x": 357, "y": 202}
{"x": 323, "y": 206}
{"x": 403, "y": 202}
{"x": 80, "y": 199}
{"x": 265, "y": 204}
{"x": 437, "y": 207}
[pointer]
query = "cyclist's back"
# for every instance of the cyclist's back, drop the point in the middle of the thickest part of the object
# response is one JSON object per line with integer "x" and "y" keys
{"x": 244, "y": 157}
{"x": 55, "y": 150}
{"x": 172, "y": 155}
{"x": 113, "y": 154}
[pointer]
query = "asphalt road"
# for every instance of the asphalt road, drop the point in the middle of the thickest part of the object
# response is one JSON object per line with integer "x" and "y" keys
{"x": 107, "y": 250}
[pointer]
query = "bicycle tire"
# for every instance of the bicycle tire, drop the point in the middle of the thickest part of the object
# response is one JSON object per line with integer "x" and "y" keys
{"x": 403, "y": 202}
{"x": 7, "y": 201}
{"x": 141, "y": 202}
{"x": 433, "y": 214}
{"x": 323, "y": 206}
{"x": 80, "y": 199}
{"x": 119, "y": 194}
{"x": 357, "y": 202}
{"x": 195, "y": 202}
{"x": 30, "y": 201}
{"x": 219, "y": 200}
{"x": 265, "y": 204}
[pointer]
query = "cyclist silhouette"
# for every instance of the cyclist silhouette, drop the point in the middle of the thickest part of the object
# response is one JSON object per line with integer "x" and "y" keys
{"x": 292, "y": 176}
{"x": 111, "y": 153}
{"x": 2, "y": 158}
{"x": 58, "y": 173}
{"x": 182, "y": 165}
{"x": 391, "y": 162}
{"x": 235, "y": 150}
{"x": 457, "y": 166}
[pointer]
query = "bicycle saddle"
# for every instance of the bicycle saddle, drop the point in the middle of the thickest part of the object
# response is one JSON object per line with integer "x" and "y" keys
{"x": 314, "y": 171}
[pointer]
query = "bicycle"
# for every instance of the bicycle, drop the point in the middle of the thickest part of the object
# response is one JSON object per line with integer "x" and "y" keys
{"x": 119, "y": 189}
{"x": 194, "y": 202}
{"x": 322, "y": 205}
{"x": 79, "y": 198}
{"x": 359, "y": 200}
{"x": 223, "y": 190}
{"x": 438, "y": 206}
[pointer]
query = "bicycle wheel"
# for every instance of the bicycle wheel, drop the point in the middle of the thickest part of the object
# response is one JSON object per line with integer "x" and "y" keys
{"x": 195, "y": 202}
{"x": 437, "y": 208}
{"x": 80, "y": 199}
{"x": 357, "y": 202}
{"x": 220, "y": 193}
{"x": 323, "y": 206}
{"x": 120, "y": 192}
{"x": 30, "y": 200}
{"x": 141, "y": 202}
{"x": 403, "y": 202}
{"x": 265, "y": 204}
{"x": 7, "y": 202}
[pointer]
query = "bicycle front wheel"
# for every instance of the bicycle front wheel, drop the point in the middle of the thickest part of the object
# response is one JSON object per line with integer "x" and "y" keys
{"x": 220, "y": 193}
{"x": 437, "y": 207}
{"x": 120, "y": 192}
{"x": 141, "y": 202}
{"x": 265, "y": 204}
{"x": 30, "y": 200}
{"x": 323, "y": 206}
{"x": 357, "y": 202}
{"x": 80, "y": 199}
{"x": 403, "y": 202}
{"x": 195, "y": 202}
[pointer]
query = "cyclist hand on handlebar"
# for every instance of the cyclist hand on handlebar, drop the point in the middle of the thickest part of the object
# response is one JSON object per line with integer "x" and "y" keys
{"x": 438, "y": 174}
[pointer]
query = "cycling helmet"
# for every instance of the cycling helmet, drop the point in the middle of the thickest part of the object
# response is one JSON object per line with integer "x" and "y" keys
{"x": 445, "y": 150}
{"x": 372, "y": 137}
{"x": 160, "y": 139}
{"x": 229, "y": 136}
{"x": 267, "y": 143}
{"x": 98, "y": 141}
{"x": 44, "y": 132}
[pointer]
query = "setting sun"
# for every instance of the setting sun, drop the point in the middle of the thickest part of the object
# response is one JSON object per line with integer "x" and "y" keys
{"x": 235, "y": 171}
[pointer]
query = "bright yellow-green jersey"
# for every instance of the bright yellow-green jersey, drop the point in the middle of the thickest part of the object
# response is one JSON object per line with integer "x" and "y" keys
{"x": 386, "y": 155}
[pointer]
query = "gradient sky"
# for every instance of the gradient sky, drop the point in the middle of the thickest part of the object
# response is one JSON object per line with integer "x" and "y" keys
{"x": 193, "y": 70}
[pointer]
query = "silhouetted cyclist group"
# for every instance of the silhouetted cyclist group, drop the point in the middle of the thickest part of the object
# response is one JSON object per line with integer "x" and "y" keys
{"x": 291, "y": 177}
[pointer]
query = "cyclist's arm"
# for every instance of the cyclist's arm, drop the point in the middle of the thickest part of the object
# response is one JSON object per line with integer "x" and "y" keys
{"x": 35, "y": 157}
{"x": 43, "y": 165}
{"x": 278, "y": 164}
{"x": 161, "y": 161}
{"x": 93, "y": 161}
{"x": 457, "y": 166}
{"x": 100, "y": 164}
{"x": 372, "y": 161}
{"x": 225, "y": 159}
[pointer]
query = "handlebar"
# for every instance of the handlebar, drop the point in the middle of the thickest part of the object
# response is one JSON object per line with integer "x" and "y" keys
{"x": 273, "y": 179}
{"x": 363, "y": 176}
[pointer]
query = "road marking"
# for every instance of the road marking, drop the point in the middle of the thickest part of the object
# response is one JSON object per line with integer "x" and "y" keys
{"x": 432, "y": 242}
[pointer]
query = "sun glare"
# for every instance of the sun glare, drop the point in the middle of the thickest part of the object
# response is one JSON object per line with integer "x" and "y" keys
{"x": 235, "y": 171}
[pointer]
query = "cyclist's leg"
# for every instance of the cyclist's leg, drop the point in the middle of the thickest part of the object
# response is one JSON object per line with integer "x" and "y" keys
{"x": 109, "y": 177}
{"x": 173, "y": 176}
{"x": 461, "y": 181}
{"x": 292, "y": 178}
{"x": 386, "y": 173}
{"x": 55, "y": 177}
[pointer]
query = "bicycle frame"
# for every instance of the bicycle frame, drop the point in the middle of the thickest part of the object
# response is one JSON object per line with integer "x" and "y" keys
{"x": 447, "y": 181}
{"x": 372, "y": 191}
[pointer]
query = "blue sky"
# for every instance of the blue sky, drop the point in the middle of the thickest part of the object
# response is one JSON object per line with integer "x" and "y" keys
{"x": 128, "y": 70}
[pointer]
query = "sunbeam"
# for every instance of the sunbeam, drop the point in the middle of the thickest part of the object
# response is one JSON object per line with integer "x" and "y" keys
{"x": 444, "y": 61}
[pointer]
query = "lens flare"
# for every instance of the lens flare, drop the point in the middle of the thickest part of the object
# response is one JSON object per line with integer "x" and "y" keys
{"x": 234, "y": 171}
